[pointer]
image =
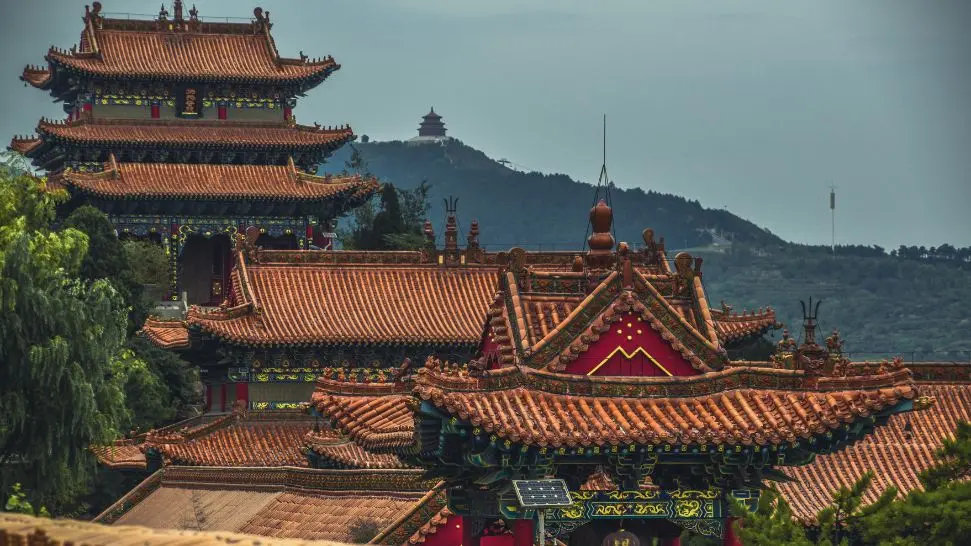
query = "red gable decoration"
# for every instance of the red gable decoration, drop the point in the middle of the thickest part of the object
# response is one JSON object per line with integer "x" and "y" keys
{"x": 631, "y": 348}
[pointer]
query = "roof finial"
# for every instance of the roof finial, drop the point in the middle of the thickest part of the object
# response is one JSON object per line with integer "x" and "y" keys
{"x": 177, "y": 9}
{"x": 602, "y": 183}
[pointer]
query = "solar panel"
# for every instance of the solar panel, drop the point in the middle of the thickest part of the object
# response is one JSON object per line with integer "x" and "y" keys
{"x": 542, "y": 493}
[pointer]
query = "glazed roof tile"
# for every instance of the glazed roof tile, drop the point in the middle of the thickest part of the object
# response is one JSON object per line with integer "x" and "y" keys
{"x": 733, "y": 327}
{"x": 896, "y": 453}
{"x": 205, "y": 181}
{"x": 328, "y": 517}
{"x": 167, "y": 334}
{"x": 214, "y": 134}
{"x": 738, "y": 406}
{"x": 319, "y": 303}
{"x": 21, "y": 529}
{"x": 133, "y": 49}
{"x": 280, "y": 502}
{"x": 376, "y": 423}
{"x": 251, "y": 443}
{"x": 121, "y": 456}
{"x": 348, "y": 454}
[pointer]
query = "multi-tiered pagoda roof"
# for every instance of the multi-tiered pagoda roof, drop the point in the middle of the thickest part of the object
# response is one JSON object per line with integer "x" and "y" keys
{"x": 176, "y": 49}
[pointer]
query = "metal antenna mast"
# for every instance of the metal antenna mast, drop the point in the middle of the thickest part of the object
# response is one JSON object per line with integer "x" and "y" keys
{"x": 832, "y": 210}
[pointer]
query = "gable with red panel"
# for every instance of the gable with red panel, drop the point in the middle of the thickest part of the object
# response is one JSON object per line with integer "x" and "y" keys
{"x": 631, "y": 348}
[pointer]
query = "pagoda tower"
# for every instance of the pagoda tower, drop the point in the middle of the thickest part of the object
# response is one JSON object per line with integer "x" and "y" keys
{"x": 182, "y": 131}
{"x": 431, "y": 126}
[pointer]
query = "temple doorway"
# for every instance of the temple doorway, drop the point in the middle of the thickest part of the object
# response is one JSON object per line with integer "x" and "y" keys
{"x": 204, "y": 268}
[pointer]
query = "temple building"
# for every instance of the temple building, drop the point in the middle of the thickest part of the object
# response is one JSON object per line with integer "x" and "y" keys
{"x": 182, "y": 131}
{"x": 607, "y": 368}
{"x": 294, "y": 316}
{"x": 431, "y": 127}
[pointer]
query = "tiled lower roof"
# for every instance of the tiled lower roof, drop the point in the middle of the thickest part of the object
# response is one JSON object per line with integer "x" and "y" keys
{"x": 166, "y": 334}
{"x": 247, "y": 443}
{"x": 282, "y": 502}
{"x": 894, "y": 454}
{"x": 328, "y": 516}
{"x": 334, "y": 304}
{"x": 348, "y": 454}
{"x": 215, "y": 134}
{"x": 746, "y": 417}
{"x": 21, "y": 529}
{"x": 214, "y": 181}
{"x": 125, "y": 456}
{"x": 373, "y": 422}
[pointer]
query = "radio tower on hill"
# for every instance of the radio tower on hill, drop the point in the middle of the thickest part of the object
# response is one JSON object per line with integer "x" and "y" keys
{"x": 832, "y": 210}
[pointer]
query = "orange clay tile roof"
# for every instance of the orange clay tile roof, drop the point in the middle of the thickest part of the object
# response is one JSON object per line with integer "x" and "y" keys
{"x": 229, "y": 134}
{"x": 121, "y": 456}
{"x": 378, "y": 423}
{"x": 732, "y": 326}
{"x": 117, "y": 48}
{"x": 348, "y": 454}
{"x": 739, "y": 406}
{"x": 205, "y": 181}
{"x": 741, "y": 417}
{"x": 21, "y": 529}
{"x": 327, "y": 517}
{"x": 282, "y": 501}
{"x": 242, "y": 438}
{"x": 894, "y": 454}
{"x": 167, "y": 334}
{"x": 24, "y": 145}
{"x": 320, "y": 303}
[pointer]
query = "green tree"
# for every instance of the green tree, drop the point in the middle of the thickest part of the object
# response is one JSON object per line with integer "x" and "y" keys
{"x": 18, "y": 503}
{"x": 106, "y": 258}
{"x": 179, "y": 377}
{"x": 59, "y": 339}
{"x": 771, "y": 524}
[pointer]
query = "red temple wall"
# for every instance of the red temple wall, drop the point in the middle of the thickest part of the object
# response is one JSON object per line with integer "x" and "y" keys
{"x": 621, "y": 351}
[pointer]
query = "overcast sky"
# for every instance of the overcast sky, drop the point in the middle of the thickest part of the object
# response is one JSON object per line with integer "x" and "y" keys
{"x": 753, "y": 105}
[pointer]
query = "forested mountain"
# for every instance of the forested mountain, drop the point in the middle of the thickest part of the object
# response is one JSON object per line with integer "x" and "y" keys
{"x": 912, "y": 301}
{"x": 506, "y": 202}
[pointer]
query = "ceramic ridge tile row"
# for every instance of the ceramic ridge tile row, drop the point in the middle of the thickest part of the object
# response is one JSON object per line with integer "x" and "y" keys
{"x": 145, "y": 53}
{"x": 244, "y": 444}
{"x": 137, "y": 180}
{"x": 431, "y": 527}
{"x": 745, "y": 417}
{"x": 164, "y": 132}
{"x": 895, "y": 454}
{"x": 328, "y": 516}
{"x": 323, "y": 303}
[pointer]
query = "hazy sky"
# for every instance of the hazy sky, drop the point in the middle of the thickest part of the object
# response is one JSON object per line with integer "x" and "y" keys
{"x": 754, "y": 105}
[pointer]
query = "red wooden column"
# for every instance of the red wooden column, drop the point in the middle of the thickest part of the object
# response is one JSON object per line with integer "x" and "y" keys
{"x": 730, "y": 538}
{"x": 522, "y": 531}
{"x": 469, "y": 537}
{"x": 242, "y": 393}
{"x": 673, "y": 541}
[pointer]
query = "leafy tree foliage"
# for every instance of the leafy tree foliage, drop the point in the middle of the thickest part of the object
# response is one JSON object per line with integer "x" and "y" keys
{"x": 60, "y": 390}
{"x": 106, "y": 257}
{"x": 179, "y": 378}
{"x": 17, "y": 502}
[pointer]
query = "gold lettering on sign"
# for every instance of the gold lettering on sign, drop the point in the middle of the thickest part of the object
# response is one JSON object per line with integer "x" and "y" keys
{"x": 191, "y": 106}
